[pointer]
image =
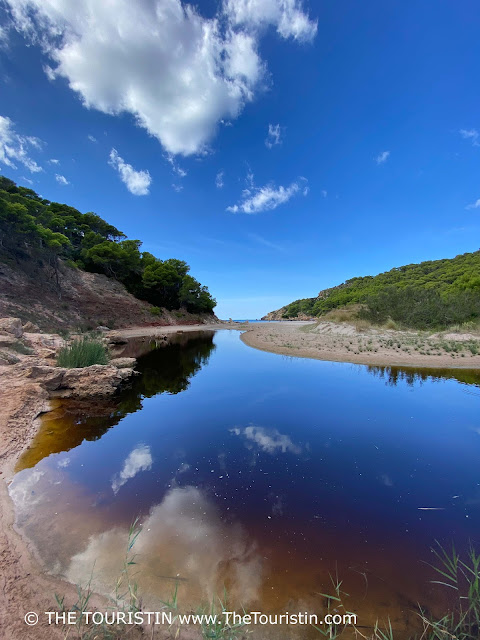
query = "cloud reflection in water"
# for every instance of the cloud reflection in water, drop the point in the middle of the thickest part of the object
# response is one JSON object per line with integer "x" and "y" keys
{"x": 182, "y": 538}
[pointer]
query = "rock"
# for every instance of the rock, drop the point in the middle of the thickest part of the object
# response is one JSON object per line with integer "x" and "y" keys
{"x": 123, "y": 363}
{"x": 8, "y": 358}
{"x": 51, "y": 378}
{"x": 7, "y": 341}
{"x": 102, "y": 328}
{"x": 97, "y": 380}
{"x": 29, "y": 327}
{"x": 12, "y": 326}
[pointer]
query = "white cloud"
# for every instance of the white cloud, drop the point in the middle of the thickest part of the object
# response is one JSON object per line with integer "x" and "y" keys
{"x": 474, "y": 205}
{"x": 61, "y": 179}
{"x": 286, "y": 15}
{"x": 177, "y": 170}
{"x": 324, "y": 193}
{"x": 139, "y": 459}
{"x": 14, "y": 147}
{"x": 54, "y": 161}
{"x": 92, "y": 138}
{"x": 382, "y": 157}
{"x": 219, "y": 180}
{"x": 268, "y": 197}
{"x": 269, "y": 440}
{"x": 274, "y": 136}
{"x": 179, "y": 74}
{"x": 27, "y": 180}
{"x": 471, "y": 134}
{"x": 137, "y": 182}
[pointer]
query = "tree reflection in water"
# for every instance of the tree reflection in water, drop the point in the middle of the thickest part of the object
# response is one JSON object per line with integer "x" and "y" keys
{"x": 165, "y": 368}
{"x": 411, "y": 376}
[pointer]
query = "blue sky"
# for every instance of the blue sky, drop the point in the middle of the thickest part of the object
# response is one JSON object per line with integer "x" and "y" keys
{"x": 278, "y": 146}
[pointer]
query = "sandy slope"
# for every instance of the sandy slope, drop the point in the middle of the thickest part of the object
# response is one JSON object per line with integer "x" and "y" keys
{"x": 341, "y": 342}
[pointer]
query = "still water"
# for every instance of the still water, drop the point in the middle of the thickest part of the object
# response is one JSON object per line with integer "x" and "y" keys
{"x": 263, "y": 474}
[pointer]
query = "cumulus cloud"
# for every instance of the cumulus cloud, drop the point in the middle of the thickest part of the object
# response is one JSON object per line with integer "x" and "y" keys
{"x": 92, "y": 138}
{"x": 474, "y": 205}
{"x": 61, "y": 179}
{"x": 178, "y": 73}
{"x": 382, "y": 157}
{"x": 274, "y": 136}
{"x": 266, "y": 198}
{"x": 269, "y": 440}
{"x": 219, "y": 180}
{"x": 472, "y": 135}
{"x": 286, "y": 15}
{"x": 15, "y": 148}
{"x": 137, "y": 182}
{"x": 54, "y": 161}
{"x": 140, "y": 459}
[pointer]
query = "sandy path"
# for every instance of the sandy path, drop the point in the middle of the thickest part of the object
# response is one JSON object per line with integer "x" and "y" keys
{"x": 141, "y": 332}
{"x": 343, "y": 343}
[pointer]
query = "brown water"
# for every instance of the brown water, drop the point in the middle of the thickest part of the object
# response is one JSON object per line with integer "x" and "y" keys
{"x": 263, "y": 474}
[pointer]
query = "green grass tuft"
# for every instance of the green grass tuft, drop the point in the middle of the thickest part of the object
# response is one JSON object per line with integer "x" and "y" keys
{"x": 82, "y": 353}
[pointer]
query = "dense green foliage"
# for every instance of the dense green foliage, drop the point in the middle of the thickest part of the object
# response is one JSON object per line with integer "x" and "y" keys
{"x": 32, "y": 227}
{"x": 82, "y": 352}
{"x": 431, "y": 294}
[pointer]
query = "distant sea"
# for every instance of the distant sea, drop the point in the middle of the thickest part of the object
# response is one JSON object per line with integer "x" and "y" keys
{"x": 249, "y": 320}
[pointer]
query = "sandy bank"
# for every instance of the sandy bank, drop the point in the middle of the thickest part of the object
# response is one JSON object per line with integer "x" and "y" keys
{"x": 341, "y": 342}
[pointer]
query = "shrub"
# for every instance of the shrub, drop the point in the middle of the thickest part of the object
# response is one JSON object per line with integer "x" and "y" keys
{"x": 155, "y": 311}
{"x": 82, "y": 353}
{"x": 421, "y": 308}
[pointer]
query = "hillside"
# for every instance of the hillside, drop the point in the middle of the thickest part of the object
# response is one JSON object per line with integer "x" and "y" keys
{"x": 62, "y": 268}
{"x": 434, "y": 293}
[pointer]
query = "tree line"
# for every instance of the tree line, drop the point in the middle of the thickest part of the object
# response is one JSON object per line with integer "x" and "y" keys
{"x": 32, "y": 227}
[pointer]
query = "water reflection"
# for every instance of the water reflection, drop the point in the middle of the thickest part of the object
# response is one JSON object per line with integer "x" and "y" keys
{"x": 164, "y": 367}
{"x": 269, "y": 440}
{"x": 139, "y": 459}
{"x": 183, "y": 540}
{"x": 265, "y": 475}
{"x": 411, "y": 376}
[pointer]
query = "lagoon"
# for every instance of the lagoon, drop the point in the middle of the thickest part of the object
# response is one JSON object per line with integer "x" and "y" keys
{"x": 264, "y": 474}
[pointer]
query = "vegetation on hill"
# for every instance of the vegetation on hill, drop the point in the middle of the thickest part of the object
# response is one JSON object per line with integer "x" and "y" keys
{"x": 32, "y": 228}
{"x": 432, "y": 294}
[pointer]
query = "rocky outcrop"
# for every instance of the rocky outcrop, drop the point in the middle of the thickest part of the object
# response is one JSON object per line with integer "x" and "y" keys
{"x": 11, "y": 326}
{"x": 275, "y": 315}
{"x": 123, "y": 363}
{"x": 97, "y": 380}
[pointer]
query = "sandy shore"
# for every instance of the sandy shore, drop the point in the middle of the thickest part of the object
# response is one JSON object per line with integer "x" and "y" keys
{"x": 341, "y": 342}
